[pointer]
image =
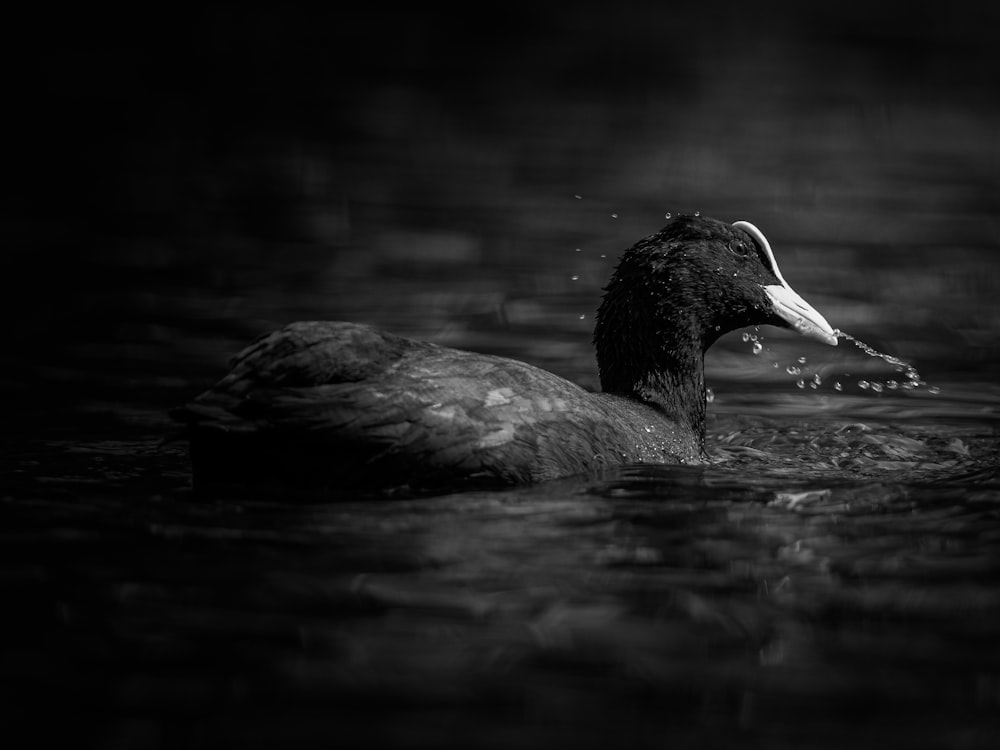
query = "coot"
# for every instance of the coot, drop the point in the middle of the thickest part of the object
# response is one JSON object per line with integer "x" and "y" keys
{"x": 332, "y": 404}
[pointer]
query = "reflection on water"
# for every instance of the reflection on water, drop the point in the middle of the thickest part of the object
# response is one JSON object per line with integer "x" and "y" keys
{"x": 828, "y": 580}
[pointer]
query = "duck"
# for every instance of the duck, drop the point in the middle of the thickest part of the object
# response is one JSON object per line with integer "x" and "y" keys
{"x": 333, "y": 405}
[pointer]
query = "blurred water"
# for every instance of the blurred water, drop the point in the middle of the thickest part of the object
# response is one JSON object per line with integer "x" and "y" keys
{"x": 828, "y": 579}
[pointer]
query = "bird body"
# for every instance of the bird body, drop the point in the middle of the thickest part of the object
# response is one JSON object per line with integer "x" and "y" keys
{"x": 334, "y": 404}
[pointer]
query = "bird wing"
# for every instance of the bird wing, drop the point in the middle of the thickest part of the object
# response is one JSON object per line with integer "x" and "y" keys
{"x": 388, "y": 400}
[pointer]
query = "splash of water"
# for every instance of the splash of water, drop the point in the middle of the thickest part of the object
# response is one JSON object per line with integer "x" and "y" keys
{"x": 910, "y": 381}
{"x": 913, "y": 379}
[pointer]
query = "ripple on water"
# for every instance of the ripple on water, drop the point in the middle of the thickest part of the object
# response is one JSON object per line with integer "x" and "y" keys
{"x": 843, "y": 449}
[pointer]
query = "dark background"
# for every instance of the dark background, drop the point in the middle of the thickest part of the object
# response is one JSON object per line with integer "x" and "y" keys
{"x": 186, "y": 177}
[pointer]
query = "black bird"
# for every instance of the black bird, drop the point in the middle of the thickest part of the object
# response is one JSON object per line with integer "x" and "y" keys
{"x": 332, "y": 404}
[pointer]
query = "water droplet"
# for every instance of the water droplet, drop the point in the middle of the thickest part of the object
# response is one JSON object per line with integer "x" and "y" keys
{"x": 817, "y": 379}
{"x": 800, "y": 383}
{"x": 793, "y": 370}
{"x": 574, "y": 277}
{"x": 933, "y": 389}
{"x": 668, "y": 215}
{"x": 877, "y": 387}
{"x": 577, "y": 250}
{"x": 837, "y": 386}
{"x": 863, "y": 385}
{"x": 578, "y": 197}
{"x": 614, "y": 216}
{"x": 604, "y": 255}
{"x": 709, "y": 395}
{"x": 583, "y": 317}
{"x": 774, "y": 365}
{"x": 814, "y": 385}
{"x": 746, "y": 336}
{"x": 913, "y": 379}
{"x": 697, "y": 213}
{"x": 802, "y": 360}
{"x": 757, "y": 348}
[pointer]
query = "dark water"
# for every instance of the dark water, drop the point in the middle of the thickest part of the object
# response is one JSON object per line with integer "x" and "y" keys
{"x": 830, "y": 579}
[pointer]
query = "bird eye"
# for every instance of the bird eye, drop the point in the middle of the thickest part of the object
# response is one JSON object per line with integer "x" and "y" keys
{"x": 739, "y": 248}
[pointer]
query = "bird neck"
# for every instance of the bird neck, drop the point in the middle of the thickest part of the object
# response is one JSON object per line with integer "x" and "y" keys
{"x": 673, "y": 382}
{"x": 650, "y": 342}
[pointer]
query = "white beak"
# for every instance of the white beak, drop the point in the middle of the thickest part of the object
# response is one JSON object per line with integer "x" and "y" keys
{"x": 788, "y": 305}
{"x": 799, "y": 314}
